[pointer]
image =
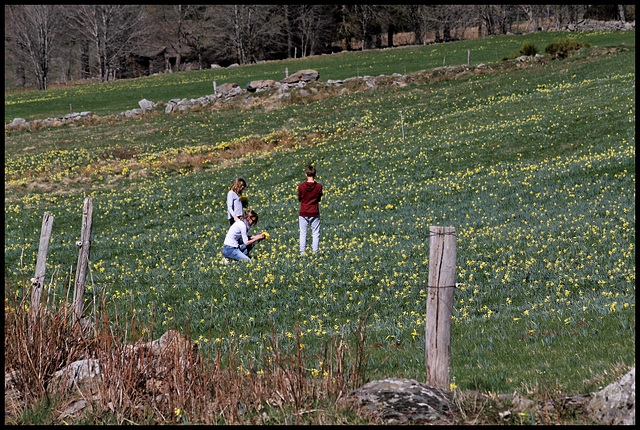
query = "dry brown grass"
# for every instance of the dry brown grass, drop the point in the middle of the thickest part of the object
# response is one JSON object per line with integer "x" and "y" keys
{"x": 221, "y": 385}
{"x": 236, "y": 152}
{"x": 114, "y": 161}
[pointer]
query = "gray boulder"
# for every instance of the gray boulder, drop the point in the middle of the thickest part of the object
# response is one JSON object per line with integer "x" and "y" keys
{"x": 233, "y": 92}
{"x": 146, "y": 105}
{"x": 169, "y": 107}
{"x": 225, "y": 88}
{"x": 132, "y": 113}
{"x": 172, "y": 342}
{"x": 616, "y": 403}
{"x": 301, "y": 76}
{"x": 18, "y": 121}
{"x": 260, "y": 85}
{"x": 82, "y": 374}
{"x": 400, "y": 401}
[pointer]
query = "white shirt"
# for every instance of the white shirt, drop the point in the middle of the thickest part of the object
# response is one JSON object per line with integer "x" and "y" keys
{"x": 234, "y": 205}
{"x": 237, "y": 233}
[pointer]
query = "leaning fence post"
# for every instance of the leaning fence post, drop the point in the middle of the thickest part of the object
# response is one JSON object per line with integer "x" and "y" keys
{"x": 83, "y": 260}
{"x": 442, "y": 276}
{"x": 37, "y": 283}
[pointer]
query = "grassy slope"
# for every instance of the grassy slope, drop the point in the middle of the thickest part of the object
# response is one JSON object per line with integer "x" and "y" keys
{"x": 534, "y": 167}
{"x": 115, "y": 97}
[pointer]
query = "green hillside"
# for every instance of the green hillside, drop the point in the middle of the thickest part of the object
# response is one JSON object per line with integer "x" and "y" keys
{"x": 114, "y": 97}
{"x": 533, "y": 164}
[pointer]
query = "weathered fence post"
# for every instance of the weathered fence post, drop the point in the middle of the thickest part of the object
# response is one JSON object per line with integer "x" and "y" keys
{"x": 83, "y": 260}
{"x": 442, "y": 276}
{"x": 37, "y": 283}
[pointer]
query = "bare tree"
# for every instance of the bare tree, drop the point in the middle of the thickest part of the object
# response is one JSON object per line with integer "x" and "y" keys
{"x": 397, "y": 21}
{"x": 171, "y": 27}
{"x": 199, "y": 33}
{"x": 289, "y": 27}
{"x": 313, "y": 28}
{"x": 362, "y": 15}
{"x": 346, "y": 27}
{"x": 113, "y": 30}
{"x": 565, "y": 14}
{"x": 534, "y": 13}
{"x": 248, "y": 32}
{"x": 181, "y": 27}
{"x": 422, "y": 22}
{"x": 621, "y": 12}
{"x": 487, "y": 19}
{"x": 439, "y": 19}
{"x": 31, "y": 30}
{"x": 448, "y": 17}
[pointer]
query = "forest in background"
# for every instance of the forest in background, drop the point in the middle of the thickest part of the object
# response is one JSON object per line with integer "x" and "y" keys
{"x": 60, "y": 44}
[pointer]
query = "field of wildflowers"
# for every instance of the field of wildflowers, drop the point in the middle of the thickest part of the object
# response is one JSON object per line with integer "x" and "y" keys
{"x": 535, "y": 168}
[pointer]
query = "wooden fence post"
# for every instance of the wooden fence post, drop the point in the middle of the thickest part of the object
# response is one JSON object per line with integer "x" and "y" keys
{"x": 37, "y": 283}
{"x": 83, "y": 260}
{"x": 442, "y": 276}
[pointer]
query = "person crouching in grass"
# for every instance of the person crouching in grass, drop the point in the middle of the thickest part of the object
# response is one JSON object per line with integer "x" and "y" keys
{"x": 238, "y": 244}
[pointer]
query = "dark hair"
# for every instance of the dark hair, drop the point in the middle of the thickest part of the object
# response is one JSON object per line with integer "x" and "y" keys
{"x": 310, "y": 171}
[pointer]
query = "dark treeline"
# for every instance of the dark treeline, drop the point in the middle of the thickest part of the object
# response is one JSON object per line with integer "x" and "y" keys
{"x": 64, "y": 43}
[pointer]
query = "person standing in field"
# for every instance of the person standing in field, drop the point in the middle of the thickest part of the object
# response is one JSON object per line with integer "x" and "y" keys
{"x": 235, "y": 204}
{"x": 309, "y": 196}
{"x": 237, "y": 243}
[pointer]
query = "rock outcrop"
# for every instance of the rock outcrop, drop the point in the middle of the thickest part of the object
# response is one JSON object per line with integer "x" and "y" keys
{"x": 400, "y": 401}
{"x": 261, "y": 85}
{"x": 593, "y": 25}
{"x": 616, "y": 403}
{"x": 301, "y": 76}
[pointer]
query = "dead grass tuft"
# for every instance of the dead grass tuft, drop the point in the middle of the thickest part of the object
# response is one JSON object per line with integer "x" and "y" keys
{"x": 220, "y": 385}
{"x": 121, "y": 153}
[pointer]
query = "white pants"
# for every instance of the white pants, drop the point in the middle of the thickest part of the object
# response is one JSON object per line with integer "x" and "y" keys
{"x": 315, "y": 232}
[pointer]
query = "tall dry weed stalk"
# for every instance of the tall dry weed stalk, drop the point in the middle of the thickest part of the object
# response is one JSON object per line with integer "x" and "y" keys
{"x": 226, "y": 384}
{"x": 34, "y": 349}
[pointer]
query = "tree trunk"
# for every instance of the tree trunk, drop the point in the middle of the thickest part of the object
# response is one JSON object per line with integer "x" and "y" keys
{"x": 20, "y": 78}
{"x": 287, "y": 18}
{"x": 446, "y": 32}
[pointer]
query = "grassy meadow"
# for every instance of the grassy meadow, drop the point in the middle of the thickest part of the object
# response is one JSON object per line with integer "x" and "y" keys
{"x": 533, "y": 166}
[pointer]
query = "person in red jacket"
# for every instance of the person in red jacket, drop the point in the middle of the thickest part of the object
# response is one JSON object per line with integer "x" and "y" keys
{"x": 309, "y": 195}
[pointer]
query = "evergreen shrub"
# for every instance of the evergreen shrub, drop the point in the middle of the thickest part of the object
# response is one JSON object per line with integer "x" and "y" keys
{"x": 564, "y": 48}
{"x": 528, "y": 49}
